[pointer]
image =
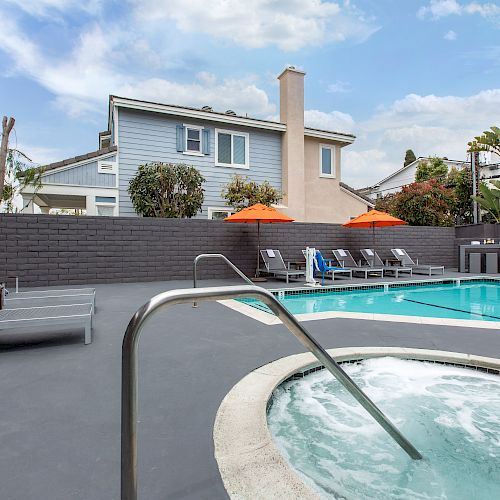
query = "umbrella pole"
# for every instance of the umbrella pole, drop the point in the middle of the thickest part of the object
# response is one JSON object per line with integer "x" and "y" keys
{"x": 373, "y": 235}
{"x": 258, "y": 249}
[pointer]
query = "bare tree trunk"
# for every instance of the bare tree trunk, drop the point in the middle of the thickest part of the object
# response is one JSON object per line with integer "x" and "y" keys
{"x": 7, "y": 126}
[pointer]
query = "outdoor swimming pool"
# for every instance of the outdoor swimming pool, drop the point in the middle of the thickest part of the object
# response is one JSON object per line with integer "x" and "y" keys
{"x": 479, "y": 300}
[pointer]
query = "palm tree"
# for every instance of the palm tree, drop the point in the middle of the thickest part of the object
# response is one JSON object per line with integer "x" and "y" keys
{"x": 488, "y": 141}
{"x": 489, "y": 199}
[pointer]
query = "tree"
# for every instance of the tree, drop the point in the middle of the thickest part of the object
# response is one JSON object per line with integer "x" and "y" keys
{"x": 409, "y": 157}
{"x": 386, "y": 203}
{"x": 460, "y": 180}
{"x": 19, "y": 174}
{"x": 240, "y": 192}
{"x": 488, "y": 141}
{"x": 7, "y": 126}
{"x": 436, "y": 168}
{"x": 15, "y": 170}
{"x": 489, "y": 199}
{"x": 167, "y": 190}
{"x": 426, "y": 203}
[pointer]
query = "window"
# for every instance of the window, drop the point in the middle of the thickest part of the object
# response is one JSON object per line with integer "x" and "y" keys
{"x": 105, "y": 206}
{"x": 218, "y": 213}
{"x": 326, "y": 160}
{"x": 231, "y": 149}
{"x": 193, "y": 140}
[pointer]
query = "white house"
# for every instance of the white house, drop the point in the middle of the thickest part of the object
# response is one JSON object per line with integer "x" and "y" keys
{"x": 403, "y": 177}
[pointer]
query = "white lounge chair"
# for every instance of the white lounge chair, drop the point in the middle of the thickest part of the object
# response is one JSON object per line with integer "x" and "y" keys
{"x": 373, "y": 260}
{"x": 36, "y": 317}
{"x": 345, "y": 259}
{"x": 407, "y": 261}
{"x": 275, "y": 265}
{"x": 51, "y": 298}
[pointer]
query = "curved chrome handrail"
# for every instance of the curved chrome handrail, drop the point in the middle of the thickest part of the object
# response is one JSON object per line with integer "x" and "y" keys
{"x": 215, "y": 256}
{"x": 130, "y": 369}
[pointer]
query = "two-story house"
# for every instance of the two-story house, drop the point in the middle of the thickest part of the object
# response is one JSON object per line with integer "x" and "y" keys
{"x": 304, "y": 163}
{"x": 404, "y": 176}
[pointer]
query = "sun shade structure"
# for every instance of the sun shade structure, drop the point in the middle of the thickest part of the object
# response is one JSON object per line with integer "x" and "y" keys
{"x": 373, "y": 219}
{"x": 258, "y": 213}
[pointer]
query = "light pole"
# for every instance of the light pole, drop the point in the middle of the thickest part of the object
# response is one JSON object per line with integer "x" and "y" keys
{"x": 474, "y": 186}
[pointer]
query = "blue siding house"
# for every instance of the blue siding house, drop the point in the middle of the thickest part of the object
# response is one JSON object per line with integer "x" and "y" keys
{"x": 304, "y": 163}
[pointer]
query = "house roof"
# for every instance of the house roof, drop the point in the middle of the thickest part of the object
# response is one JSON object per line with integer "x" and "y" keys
{"x": 356, "y": 193}
{"x": 402, "y": 169}
{"x": 79, "y": 158}
{"x": 191, "y": 112}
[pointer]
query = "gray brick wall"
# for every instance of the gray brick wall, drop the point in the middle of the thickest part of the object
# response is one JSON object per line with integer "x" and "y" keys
{"x": 46, "y": 250}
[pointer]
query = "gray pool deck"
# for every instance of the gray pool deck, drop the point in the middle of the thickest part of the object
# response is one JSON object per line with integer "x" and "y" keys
{"x": 60, "y": 399}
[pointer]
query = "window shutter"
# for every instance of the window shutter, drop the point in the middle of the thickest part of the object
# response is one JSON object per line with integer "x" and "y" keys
{"x": 180, "y": 138}
{"x": 206, "y": 141}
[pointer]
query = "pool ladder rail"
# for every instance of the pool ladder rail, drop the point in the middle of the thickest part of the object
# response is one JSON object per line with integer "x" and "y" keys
{"x": 130, "y": 368}
{"x": 216, "y": 256}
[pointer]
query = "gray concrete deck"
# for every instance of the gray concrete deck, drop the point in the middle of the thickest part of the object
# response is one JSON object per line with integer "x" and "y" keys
{"x": 60, "y": 411}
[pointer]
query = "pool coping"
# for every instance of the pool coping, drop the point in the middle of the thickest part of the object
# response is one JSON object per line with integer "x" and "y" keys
{"x": 250, "y": 464}
{"x": 270, "y": 319}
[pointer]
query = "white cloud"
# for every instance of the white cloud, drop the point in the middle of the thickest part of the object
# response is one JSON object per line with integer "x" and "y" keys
{"x": 450, "y": 36}
{"x": 430, "y": 125}
{"x": 240, "y": 95}
{"x": 82, "y": 81}
{"x": 43, "y": 8}
{"x": 339, "y": 87}
{"x": 437, "y": 9}
{"x": 287, "y": 24}
{"x": 334, "y": 120}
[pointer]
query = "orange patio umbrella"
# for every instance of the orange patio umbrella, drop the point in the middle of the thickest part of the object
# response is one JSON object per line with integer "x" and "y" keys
{"x": 373, "y": 219}
{"x": 258, "y": 213}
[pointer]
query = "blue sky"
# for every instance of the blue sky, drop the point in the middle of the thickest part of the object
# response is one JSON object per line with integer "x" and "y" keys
{"x": 399, "y": 74}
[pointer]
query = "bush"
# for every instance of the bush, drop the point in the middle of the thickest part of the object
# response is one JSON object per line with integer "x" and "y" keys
{"x": 240, "y": 193}
{"x": 166, "y": 190}
{"x": 422, "y": 204}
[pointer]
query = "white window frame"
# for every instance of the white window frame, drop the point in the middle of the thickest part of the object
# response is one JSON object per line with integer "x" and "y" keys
{"x": 246, "y": 135}
{"x": 112, "y": 204}
{"x": 101, "y": 204}
{"x": 193, "y": 127}
{"x": 333, "y": 150}
{"x": 211, "y": 210}
{"x": 114, "y": 167}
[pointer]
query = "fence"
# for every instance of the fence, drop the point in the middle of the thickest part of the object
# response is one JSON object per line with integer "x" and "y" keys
{"x": 46, "y": 250}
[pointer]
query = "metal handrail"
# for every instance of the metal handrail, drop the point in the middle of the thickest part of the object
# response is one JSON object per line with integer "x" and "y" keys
{"x": 215, "y": 256}
{"x": 130, "y": 368}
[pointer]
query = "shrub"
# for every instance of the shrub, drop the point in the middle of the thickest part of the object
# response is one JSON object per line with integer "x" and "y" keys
{"x": 166, "y": 190}
{"x": 240, "y": 192}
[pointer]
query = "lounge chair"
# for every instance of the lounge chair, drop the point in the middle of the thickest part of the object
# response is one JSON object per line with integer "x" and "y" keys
{"x": 373, "y": 260}
{"x": 275, "y": 265}
{"x": 345, "y": 259}
{"x": 51, "y": 298}
{"x": 407, "y": 261}
{"x": 323, "y": 266}
{"x": 67, "y": 315}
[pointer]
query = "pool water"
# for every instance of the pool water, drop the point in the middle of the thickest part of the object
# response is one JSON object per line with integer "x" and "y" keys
{"x": 450, "y": 414}
{"x": 473, "y": 301}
